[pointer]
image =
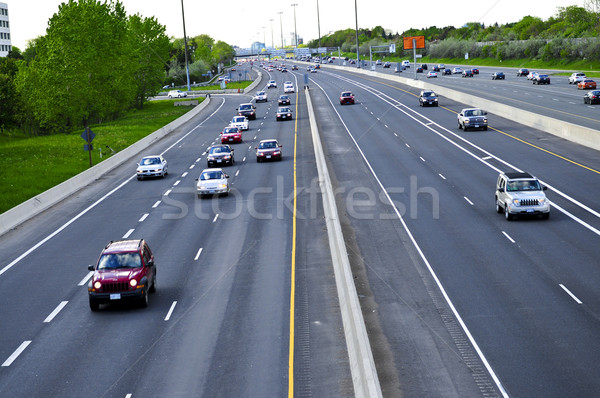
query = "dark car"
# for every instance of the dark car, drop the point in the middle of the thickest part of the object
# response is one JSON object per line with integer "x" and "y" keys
{"x": 522, "y": 72}
{"x": 498, "y": 76}
{"x": 424, "y": 66}
{"x": 247, "y": 110}
{"x": 387, "y": 64}
{"x": 219, "y": 155}
{"x": 447, "y": 71}
{"x": 541, "y": 79}
{"x": 419, "y": 69}
{"x": 283, "y": 100}
{"x": 231, "y": 134}
{"x": 475, "y": 71}
{"x": 294, "y": 67}
{"x": 346, "y": 97}
{"x": 124, "y": 271}
{"x": 592, "y": 97}
{"x": 467, "y": 73}
{"x": 268, "y": 150}
{"x": 427, "y": 98}
{"x": 283, "y": 113}
{"x": 435, "y": 68}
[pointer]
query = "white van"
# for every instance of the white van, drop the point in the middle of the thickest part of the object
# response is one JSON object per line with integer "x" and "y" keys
{"x": 406, "y": 63}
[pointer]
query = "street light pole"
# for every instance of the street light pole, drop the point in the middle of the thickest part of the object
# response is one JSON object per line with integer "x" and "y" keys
{"x": 295, "y": 31}
{"x": 357, "y": 45}
{"x": 318, "y": 23}
{"x": 281, "y": 27}
{"x": 272, "y": 40}
{"x": 187, "y": 66}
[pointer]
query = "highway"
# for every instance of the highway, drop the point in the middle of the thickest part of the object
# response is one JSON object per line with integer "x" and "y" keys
{"x": 458, "y": 302}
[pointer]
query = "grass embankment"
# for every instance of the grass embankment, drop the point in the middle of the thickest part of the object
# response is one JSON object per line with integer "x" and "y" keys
{"x": 31, "y": 165}
{"x": 230, "y": 86}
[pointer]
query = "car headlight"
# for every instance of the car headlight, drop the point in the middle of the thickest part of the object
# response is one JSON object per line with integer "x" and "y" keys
{"x": 222, "y": 185}
{"x": 516, "y": 202}
{"x": 541, "y": 201}
{"x": 485, "y": 121}
{"x": 97, "y": 285}
{"x": 133, "y": 283}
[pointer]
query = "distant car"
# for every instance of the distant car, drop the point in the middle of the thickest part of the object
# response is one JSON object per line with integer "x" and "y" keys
{"x": 475, "y": 71}
{"x": 219, "y": 155}
{"x": 592, "y": 97}
{"x": 283, "y": 113}
{"x": 378, "y": 62}
{"x": 152, "y": 166}
{"x": 431, "y": 74}
{"x": 447, "y": 71}
{"x": 428, "y": 97}
{"x": 406, "y": 63}
{"x": 467, "y": 73}
{"x": 435, "y": 68}
{"x": 346, "y": 97}
{"x": 240, "y": 122}
{"x": 272, "y": 83}
{"x": 456, "y": 71}
{"x": 231, "y": 135}
{"x": 288, "y": 88}
{"x": 532, "y": 75}
{"x": 441, "y": 66}
{"x": 576, "y": 77}
{"x": 522, "y": 72}
{"x": 283, "y": 100}
{"x": 424, "y": 66}
{"x": 284, "y": 70}
{"x": 588, "y": 84}
{"x": 247, "y": 110}
{"x": 419, "y": 69}
{"x": 212, "y": 182}
{"x": 261, "y": 96}
{"x": 124, "y": 271}
{"x": 387, "y": 64}
{"x": 313, "y": 70}
{"x": 498, "y": 76}
{"x": 177, "y": 94}
{"x": 541, "y": 79}
{"x": 472, "y": 118}
{"x": 268, "y": 150}
{"x": 294, "y": 67}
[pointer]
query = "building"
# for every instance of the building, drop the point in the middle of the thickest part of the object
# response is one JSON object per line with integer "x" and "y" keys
{"x": 5, "y": 45}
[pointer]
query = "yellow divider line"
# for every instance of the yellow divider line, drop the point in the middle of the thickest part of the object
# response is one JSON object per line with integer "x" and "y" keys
{"x": 293, "y": 270}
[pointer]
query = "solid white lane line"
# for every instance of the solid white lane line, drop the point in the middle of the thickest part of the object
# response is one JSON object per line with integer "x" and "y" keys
{"x": 570, "y": 294}
{"x": 54, "y": 313}
{"x": 198, "y": 254}
{"x": 170, "y": 311}
{"x": 176, "y": 183}
{"x": 442, "y": 176}
{"x": 167, "y": 193}
{"x": 17, "y": 352}
{"x": 87, "y": 277}
{"x": 143, "y": 217}
{"x": 508, "y": 237}
{"x": 467, "y": 199}
{"x": 216, "y": 216}
{"x": 128, "y": 233}
{"x": 184, "y": 174}
{"x": 155, "y": 205}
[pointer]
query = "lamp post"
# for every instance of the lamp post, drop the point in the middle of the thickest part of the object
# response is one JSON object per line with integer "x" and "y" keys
{"x": 318, "y": 23}
{"x": 281, "y": 27}
{"x": 187, "y": 66}
{"x": 295, "y": 31}
{"x": 357, "y": 45}
{"x": 272, "y": 41}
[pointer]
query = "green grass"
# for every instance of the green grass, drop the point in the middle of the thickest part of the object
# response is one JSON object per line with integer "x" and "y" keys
{"x": 231, "y": 85}
{"x": 31, "y": 165}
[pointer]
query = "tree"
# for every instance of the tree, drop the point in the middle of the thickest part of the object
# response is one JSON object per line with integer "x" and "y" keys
{"x": 149, "y": 55}
{"x": 82, "y": 70}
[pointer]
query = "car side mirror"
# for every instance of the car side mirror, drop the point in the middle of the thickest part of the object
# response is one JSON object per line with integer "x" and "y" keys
{"x": 255, "y": 147}
{"x": 196, "y": 179}
{"x": 150, "y": 263}
{"x": 90, "y": 267}
{"x": 485, "y": 113}
{"x": 226, "y": 175}
{"x": 544, "y": 187}
{"x": 138, "y": 164}
{"x": 501, "y": 189}
{"x": 460, "y": 114}
{"x": 280, "y": 146}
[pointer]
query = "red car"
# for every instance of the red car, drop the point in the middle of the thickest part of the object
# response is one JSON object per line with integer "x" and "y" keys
{"x": 346, "y": 97}
{"x": 231, "y": 135}
{"x": 124, "y": 271}
{"x": 586, "y": 84}
{"x": 268, "y": 150}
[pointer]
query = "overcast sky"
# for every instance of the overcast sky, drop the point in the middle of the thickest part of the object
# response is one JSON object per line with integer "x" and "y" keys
{"x": 241, "y": 22}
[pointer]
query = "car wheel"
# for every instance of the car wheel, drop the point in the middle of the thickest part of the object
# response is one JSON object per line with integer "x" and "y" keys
{"x": 140, "y": 178}
{"x": 94, "y": 306}
{"x": 485, "y": 128}
{"x": 257, "y": 160}
{"x": 199, "y": 196}
{"x": 144, "y": 299}
{"x": 507, "y": 214}
{"x": 153, "y": 287}
{"x": 498, "y": 207}
{"x": 459, "y": 126}
{"x": 546, "y": 216}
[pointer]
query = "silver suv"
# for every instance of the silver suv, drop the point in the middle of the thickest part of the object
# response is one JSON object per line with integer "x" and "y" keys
{"x": 521, "y": 194}
{"x": 472, "y": 118}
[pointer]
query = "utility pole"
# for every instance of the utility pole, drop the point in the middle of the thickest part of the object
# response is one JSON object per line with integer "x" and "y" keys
{"x": 187, "y": 66}
{"x": 281, "y": 27}
{"x": 295, "y": 31}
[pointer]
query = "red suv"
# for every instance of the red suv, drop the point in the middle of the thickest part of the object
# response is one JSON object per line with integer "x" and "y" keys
{"x": 124, "y": 271}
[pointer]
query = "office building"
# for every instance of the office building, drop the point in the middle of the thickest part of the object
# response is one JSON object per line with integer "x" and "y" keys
{"x": 5, "y": 45}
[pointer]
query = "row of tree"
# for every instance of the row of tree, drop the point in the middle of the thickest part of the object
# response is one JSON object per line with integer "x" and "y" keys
{"x": 94, "y": 63}
{"x": 571, "y": 33}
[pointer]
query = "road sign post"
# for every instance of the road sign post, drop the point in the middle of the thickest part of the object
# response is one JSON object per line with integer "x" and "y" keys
{"x": 88, "y": 136}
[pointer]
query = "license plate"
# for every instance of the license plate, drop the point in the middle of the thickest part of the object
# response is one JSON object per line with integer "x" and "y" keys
{"x": 476, "y": 125}
{"x": 115, "y": 296}
{"x": 231, "y": 139}
{"x": 283, "y": 117}
{"x": 212, "y": 191}
{"x": 268, "y": 156}
{"x": 218, "y": 160}
{"x": 529, "y": 210}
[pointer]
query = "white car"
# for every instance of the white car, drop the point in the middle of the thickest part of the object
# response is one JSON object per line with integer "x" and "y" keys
{"x": 532, "y": 75}
{"x": 272, "y": 83}
{"x": 177, "y": 94}
{"x": 240, "y": 122}
{"x": 212, "y": 182}
{"x": 456, "y": 71}
{"x": 261, "y": 96}
{"x": 431, "y": 74}
{"x": 152, "y": 166}
{"x": 288, "y": 88}
{"x": 577, "y": 77}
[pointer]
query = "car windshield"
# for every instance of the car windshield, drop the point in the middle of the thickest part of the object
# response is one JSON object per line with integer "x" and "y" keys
{"x": 245, "y": 107}
{"x": 474, "y": 112}
{"x": 284, "y": 97}
{"x": 523, "y": 185}
{"x": 238, "y": 119}
{"x": 428, "y": 94}
{"x": 267, "y": 145}
{"x": 119, "y": 260}
{"x": 149, "y": 161}
{"x": 230, "y": 130}
{"x": 283, "y": 110}
{"x": 346, "y": 94}
{"x": 219, "y": 149}
{"x": 211, "y": 175}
